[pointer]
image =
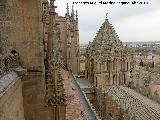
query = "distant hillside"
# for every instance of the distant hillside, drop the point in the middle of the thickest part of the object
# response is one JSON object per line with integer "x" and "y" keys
{"x": 140, "y": 43}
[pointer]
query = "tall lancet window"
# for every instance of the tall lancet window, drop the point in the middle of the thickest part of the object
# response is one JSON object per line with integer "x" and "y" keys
{"x": 127, "y": 66}
{"x": 114, "y": 64}
{"x": 108, "y": 65}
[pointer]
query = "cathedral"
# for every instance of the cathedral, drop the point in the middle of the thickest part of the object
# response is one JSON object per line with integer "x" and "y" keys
{"x": 110, "y": 69}
{"x": 107, "y": 59}
{"x": 32, "y": 38}
{"x": 40, "y": 69}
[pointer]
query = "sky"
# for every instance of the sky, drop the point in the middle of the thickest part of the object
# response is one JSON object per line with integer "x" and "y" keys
{"x": 131, "y": 22}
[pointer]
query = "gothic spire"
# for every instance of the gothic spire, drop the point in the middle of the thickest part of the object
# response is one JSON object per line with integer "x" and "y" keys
{"x": 52, "y": 3}
{"x": 67, "y": 9}
{"x": 72, "y": 13}
{"x": 76, "y": 15}
{"x": 76, "y": 20}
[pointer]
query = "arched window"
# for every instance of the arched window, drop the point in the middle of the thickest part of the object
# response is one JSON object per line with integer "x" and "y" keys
{"x": 96, "y": 81}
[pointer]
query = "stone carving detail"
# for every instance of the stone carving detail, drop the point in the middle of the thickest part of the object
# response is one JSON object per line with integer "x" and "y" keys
{"x": 9, "y": 58}
{"x": 55, "y": 93}
{"x": 156, "y": 96}
{"x": 8, "y": 55}
{"x": 107, "y": 55}
{"x": 2, "y": 65}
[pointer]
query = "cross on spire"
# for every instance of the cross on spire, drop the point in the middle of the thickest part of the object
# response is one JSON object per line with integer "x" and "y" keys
{"x": 106, "y": 15}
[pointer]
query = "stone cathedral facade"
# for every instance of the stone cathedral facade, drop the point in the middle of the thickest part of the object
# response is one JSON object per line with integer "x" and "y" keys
{"x": 32, "y": 39}
{"x": 68, "y": 26}
{"x": 107, "y": 59}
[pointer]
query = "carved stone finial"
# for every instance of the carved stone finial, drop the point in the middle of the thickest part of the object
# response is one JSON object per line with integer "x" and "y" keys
{"x": 76, "y": 14}
{"x": 72, "y": 13}
{"x": 67, "y": 8}
{"x": 52, "y": 3}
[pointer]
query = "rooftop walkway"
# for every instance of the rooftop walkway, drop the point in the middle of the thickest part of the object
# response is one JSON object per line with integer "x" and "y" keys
{"x": 85, "y": 85}
{"x": 88, "y": 111}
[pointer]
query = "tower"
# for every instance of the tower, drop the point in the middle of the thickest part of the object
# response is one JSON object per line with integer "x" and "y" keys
{"x": 107, "y": 59}
{"x": 54, "y": 91}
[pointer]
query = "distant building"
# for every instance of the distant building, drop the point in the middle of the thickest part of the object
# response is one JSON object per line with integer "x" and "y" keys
{"x": 107, "y": 60}
{"x": 69, "y": 36}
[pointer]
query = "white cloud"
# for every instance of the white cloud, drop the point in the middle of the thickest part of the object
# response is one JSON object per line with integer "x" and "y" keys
{"x": 132, "y": 22}
{"x": 142, "y": 27}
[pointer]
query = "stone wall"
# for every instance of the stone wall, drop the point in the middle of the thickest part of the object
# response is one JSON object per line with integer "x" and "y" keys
{"x": 90, "y": 96}
{"x": 33, "y": 94}
{"x": 23, "y": 29}
{"x": 23, "y": 26}
{"x": 63, "y": 36}
{"x": 11, "y": 102}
